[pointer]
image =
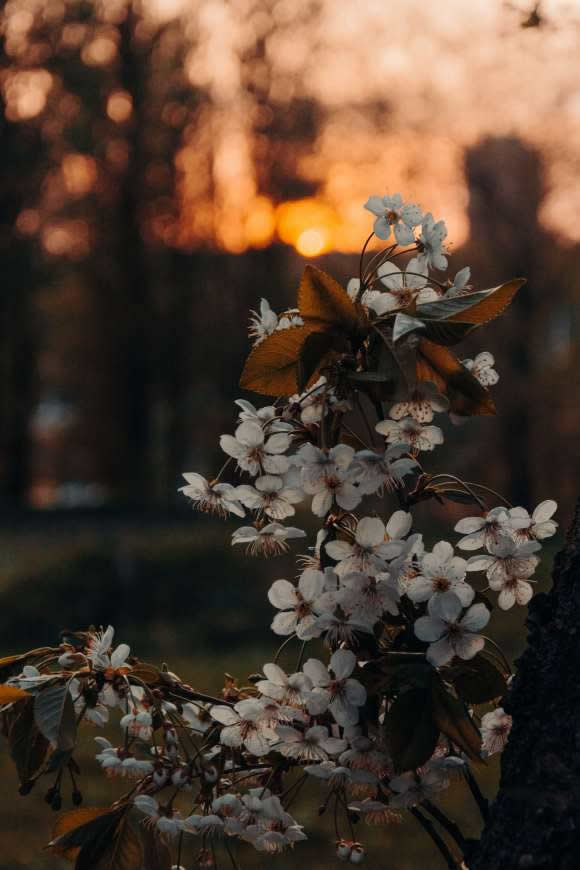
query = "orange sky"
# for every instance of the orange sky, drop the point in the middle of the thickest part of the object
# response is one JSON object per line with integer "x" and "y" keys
{"x": 451, "y": 72}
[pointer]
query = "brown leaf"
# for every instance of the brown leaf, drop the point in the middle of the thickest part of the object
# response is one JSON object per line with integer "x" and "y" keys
{"x": 451, "y": 717}
{"x": 148, "y": 674}
{"x": 272, "y": 367}
{"x": 69, "y": 822}
{"x": 321, "y": 298}
{"x": 10, "y": 694}
{"x": 317, "y": 350}
{"x": 10, "y": 666}
{"x": 466, "y": 395}
{"x": 490, "y": 308}
{"x": 86, "y": 835}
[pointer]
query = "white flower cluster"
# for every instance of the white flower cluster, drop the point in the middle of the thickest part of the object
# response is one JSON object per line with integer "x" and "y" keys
{"x": 512, "y": 539}
{"x": 266, "y": 322}
{"x": 392, "y": 621}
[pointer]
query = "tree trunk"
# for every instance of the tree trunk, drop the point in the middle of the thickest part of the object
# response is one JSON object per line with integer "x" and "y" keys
{"x": 535, "y": 820}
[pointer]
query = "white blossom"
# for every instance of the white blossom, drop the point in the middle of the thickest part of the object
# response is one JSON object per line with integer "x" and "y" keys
{"x": 245, "y": 726}
{"x": 286, "y": 689}
{"x": 367, "y": 598}
{"x": 252, "y": 453}
{"x": 409, "y": 431}
{"x": 334, "y": 689}
{"x": 403, "y": 288}
{"x": 266, "y": 416}
{"x": 495, "y": 729}
{"x": 197, "y": 717}
{"x": 271, "y": 540}
{"x": 217, "y": 498}
{"x": 313, "y": 744}
{"x": 377, "y": 472}
{"x": 411, "y": 788}
{"x": 391, "y": 211}
{"x": 271, "y": 496}
{"x": 539, "y": 525}
{"x": 326, "y": 475}
{"x": 431, "y": 243}
{"x": 423, "y": 402}
{"x": 312, "y": 402}
{"x": 369, "y": 550}
{"x": 460, "y": 283}
{"x": 99, "y": 651}
{"x": 508, "y": 567}
{"x": 482, "y": 368}
{"x": 485, "y": 530}
{"x": 299, "y": 605}
{"x": 262, "y": 323}
{"x": 341, "y": 628}
{"x": 441, "y": 571}
{"x": 448, "y": 635}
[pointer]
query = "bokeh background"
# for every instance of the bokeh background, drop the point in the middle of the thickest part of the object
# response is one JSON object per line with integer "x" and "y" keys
{"x": 165, "y": 164}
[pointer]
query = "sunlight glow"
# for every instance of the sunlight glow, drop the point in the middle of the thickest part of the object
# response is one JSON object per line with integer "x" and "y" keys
{"x": 312, "y": 243}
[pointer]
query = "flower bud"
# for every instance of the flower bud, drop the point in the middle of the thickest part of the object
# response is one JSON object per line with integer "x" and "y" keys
{"x": 343, "y": 850}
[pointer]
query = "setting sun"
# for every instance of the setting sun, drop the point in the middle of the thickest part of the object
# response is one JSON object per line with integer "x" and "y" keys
{"x": 311, "y": 243}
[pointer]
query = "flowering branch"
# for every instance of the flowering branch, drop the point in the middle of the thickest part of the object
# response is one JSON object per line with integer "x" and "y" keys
{"x": 405, "y": 693}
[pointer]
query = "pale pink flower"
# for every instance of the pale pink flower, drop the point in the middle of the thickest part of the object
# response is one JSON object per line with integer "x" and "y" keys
{"x": 539, "y": 525}
{"x": 377, "y": 472}
{"x": 262, "y": 323}
{"x": 213, "y": 498}
{"x": 448, "y": 635}
{"x": 392, "y": 212}
{"x": 411, "y": 788}
{"x": 482, "y": 368}
{"x": 431, "y": 243}
{"x": 271, "y": 540}
{"x": 286, "y": 689}
{"x": 485, "y": 530}
{"x": 423, "y": 402}
{"x": 245, "y": 726}
{"x": 270, "y": 495}
{"x": 495, "y": 729}
{"x": 409, "y": 431}
{"x": 301, "y": 605}
{"x": 334, "y": 689}
{"x": 441, "y": 571}
{"x": 255, "y": 455}
{"x": 369, "y": 550}
{"x": 313, "y": 744}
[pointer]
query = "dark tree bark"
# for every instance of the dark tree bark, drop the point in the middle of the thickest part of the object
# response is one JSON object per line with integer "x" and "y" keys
{"x": 535, "y": 820}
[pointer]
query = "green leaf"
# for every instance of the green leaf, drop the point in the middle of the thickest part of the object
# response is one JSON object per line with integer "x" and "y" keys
{"x": 479, "y": 681}
{"x": 412, "y": 733}
{"x": 446, "y": 333}
{"x": 367, "y": 377}
{"x": 55, "y": 716}
{"x": 452, "y": 719}
{"x": 404, "y": 324}
{"x": 444, "y": 308}
{"x": 28, "y": 747}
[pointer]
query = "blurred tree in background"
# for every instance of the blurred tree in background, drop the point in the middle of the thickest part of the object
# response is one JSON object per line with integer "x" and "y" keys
{"x": 139, "y": 215}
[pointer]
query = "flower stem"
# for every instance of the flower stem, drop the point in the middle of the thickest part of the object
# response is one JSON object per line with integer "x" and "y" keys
{"x": 481, "y": 801}
{"x": 428, "y": 827}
